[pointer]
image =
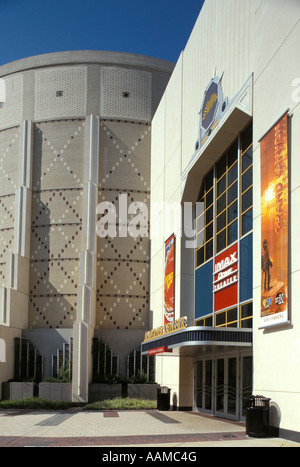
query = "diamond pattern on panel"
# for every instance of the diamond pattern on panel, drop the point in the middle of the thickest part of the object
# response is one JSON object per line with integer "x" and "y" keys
{"x": 9, "y": 160}
{"x": 123, "y": 262}
{"x": 56, "y": 311}
{"x": 56, "y": 224}
{"x": 7, "y": 206}
{"x": 59, "y": 149}
{"x": 12, "y": 109}
{"x": 6, "y": 247}
{"x": 9, "y": 172}
{"x": 125, "y": 151}
{"x": 60, "y": 92}
{"x": 125, "y": 93}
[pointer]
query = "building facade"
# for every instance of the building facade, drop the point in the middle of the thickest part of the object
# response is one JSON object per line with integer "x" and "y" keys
{"x": 225, "y": 190}
{"x": 75, "y": 138}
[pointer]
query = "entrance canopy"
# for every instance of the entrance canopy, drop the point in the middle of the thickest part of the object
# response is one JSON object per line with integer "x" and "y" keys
{"x": 199, "y": 336}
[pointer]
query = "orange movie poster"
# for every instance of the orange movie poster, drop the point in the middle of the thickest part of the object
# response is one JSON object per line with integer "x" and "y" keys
{"x": 274, "y": 225}
{"x": 169, "y": 295}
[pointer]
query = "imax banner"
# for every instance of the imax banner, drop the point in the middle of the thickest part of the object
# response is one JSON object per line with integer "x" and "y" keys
{"x": 274, "y": 225}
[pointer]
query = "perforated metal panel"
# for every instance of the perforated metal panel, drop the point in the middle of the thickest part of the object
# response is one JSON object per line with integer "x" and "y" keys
{"x": 125, "y": 93}
{"x": 12, "y": 108}
{"x": 60, "y": 92}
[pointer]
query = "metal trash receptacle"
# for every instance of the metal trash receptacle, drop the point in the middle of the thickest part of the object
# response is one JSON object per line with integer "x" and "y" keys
{"x": 163, "y": 398}
{"x": 257, "y": 417}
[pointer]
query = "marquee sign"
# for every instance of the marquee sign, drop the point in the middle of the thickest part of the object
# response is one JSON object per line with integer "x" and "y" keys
{"x": 161, "y": 331}
{"x": 212, "y": 110}
{"x": 225, "y": 278}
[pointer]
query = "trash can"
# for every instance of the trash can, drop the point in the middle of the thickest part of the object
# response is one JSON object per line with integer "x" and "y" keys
{"x": 257, "y": 417}
{"x": 163, "y": 398}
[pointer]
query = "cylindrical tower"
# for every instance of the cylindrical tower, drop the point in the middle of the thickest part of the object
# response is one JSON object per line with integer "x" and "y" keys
{"x": 75, "y": 133}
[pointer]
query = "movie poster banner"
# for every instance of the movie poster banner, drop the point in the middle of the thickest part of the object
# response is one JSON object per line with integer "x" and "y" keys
{"x": 169, "y": 288}
{"x": 274, "y": 225}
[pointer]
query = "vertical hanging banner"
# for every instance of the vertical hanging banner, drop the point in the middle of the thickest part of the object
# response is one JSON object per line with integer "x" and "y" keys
{"x": 274, "y": 225}
{"x": 169, "y": 288}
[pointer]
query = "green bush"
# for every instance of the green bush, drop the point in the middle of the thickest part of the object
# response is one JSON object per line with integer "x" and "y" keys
{"x": 120, "y": 403}
{"x": 35, "y": 403}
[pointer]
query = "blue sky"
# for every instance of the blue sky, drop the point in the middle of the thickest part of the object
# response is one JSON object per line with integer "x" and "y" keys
{"x": 157, "y": 28}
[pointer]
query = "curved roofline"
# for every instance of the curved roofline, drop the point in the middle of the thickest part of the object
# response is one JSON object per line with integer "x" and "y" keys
{"x": 86, "y": 57}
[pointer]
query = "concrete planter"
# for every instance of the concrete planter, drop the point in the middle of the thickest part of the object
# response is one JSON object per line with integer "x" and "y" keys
{"x": 101, "y": 391}
{"x": 18, "y": 390}
{"x": 56, "y": 391}
{"x": 142, "y": 391}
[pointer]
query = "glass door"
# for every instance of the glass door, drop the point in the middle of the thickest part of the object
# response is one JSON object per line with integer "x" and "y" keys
{"x": 203, "y": 385}
{"x": 226, "y": 393}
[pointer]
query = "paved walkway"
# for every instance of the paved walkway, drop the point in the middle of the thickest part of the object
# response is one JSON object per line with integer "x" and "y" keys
{"x": 77, "y": 427}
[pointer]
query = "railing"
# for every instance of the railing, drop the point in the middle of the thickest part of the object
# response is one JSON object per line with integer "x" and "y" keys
{"x": 29, "y": 364}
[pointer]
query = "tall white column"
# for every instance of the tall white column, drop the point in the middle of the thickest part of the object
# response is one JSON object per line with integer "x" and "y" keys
{"x": 86, "y": 307}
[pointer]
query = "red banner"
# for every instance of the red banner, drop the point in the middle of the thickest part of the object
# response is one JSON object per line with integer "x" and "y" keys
{"x": 274, "y": 224}
{"x": 225, "y": 278}
{"x": 169, "y": 288}
{"x": 159, "y": 350}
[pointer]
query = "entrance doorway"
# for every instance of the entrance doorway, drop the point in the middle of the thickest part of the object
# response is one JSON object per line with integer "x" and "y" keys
{"x": 223, "y": 384}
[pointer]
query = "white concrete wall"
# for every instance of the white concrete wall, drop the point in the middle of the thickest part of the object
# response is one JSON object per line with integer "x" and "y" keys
{"x": 237, "y": 38}
{"x": 276, "y": 65}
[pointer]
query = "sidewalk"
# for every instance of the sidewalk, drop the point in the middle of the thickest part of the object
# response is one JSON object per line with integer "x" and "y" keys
{"x": 76, "y": 427}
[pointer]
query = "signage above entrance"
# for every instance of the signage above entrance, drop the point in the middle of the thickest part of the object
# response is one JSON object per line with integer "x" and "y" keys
{"x": 225, "y": 278}
{"x": 212, "y": 110}
{"x": 176, "y": 325}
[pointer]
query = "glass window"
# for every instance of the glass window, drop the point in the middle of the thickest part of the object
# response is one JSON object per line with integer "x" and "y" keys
{"x": 247, "y": 222}
{"x": 200, "y": 256}
{"x": 247, "y": 200}
{"x": 247, "y": 179}
{"x": 246, "y": 138}
{"x": 221, "y": 204}
{"x": 233, "y": 154}
{"x": 209, "y": 250}
{"x": 209, "y": 215}
{"x": 247, "y": 159}
{"x": 221, "y": 167}
{"x": 226, "y": 200}
{"x": 209, "y": 232}
{"x": 209, "y": 181}
{"x": 232, "y": 232}
{"x": 232, "y": 211}
{"x": 209, "y": 199}
{"x": 221, "y": 186}
{"x": 221, "y": 240}
{"x": 232, "y": 193}
{"x": 221, "y": 221}
{"x": 232, "y": 174}
{"x": 221, "y": 319}
{"x": 205, "y": 221}
{"x": 246, "y": 315}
